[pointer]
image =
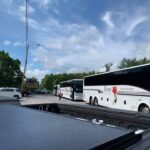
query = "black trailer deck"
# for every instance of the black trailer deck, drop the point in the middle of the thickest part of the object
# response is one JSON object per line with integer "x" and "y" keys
{"x": 28, "y": 129}
{"x": 122, "y": 118}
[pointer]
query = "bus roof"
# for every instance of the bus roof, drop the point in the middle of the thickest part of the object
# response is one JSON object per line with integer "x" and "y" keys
{"x": 126, "y": 69}
{"x": 72, "y": 80}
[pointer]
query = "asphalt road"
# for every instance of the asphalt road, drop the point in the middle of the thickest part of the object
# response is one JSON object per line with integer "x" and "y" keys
{"x": 41, "y": 99}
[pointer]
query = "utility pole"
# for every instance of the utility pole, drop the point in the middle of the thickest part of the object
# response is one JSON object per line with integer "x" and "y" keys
{"x": 26, "y": 41}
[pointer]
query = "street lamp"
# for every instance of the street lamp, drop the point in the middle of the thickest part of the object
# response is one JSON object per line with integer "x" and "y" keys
{"x": 26, "y": 40}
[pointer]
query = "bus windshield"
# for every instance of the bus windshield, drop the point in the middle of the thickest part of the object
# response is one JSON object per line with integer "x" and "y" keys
{"x": 78, "y": 86}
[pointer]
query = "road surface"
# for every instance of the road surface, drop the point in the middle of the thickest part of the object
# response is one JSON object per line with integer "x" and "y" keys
{"x": 42, "y": 99}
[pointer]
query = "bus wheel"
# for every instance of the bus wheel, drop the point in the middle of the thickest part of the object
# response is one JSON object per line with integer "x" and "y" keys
{"x": 90, "y": 101}
{"x": 144, "y": 109}
{"x": 16, "y": 96}
{"x": 95, "y": 101}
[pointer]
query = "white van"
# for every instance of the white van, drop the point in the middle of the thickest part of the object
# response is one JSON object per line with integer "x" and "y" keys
{"x": 10, "y": 92}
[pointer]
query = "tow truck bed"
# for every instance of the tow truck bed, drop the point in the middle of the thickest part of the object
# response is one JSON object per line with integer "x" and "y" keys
{"x": 28, "y": 129}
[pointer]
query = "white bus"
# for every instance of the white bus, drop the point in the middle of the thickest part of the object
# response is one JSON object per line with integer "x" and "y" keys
{"x": 56, "y": 90}
{"x": 127, "y": 89}
{"x": 72, "y": 89}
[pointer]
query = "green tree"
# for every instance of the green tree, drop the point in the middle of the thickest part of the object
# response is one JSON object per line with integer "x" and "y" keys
{"x": 108, "y": 66}
{"x": 50, "y": 80}
{"x": 125, "y": 63}
{"x": 10, "y": 73}
{"x": 47, "y": 82}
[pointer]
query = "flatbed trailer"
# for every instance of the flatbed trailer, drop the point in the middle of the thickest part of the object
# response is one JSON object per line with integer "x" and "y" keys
{"x": 126, "y": 119}
{"x": 25, "y": 129}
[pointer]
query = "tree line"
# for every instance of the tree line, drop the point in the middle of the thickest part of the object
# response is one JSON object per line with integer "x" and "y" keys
{"x": 11, "y": 75}
{"x": 50, "y": 80}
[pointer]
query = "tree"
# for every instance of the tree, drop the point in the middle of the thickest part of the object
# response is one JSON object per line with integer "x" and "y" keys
{"x": 50, "y": 80}
{"x": 47, "y": 82}
{"x": 125, "y": 63}
{"x": 108, "y": 66}
{"x": 10, "y": 73}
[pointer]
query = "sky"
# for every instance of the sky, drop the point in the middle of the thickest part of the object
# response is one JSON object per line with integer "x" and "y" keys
{"x": 75, "y": 35}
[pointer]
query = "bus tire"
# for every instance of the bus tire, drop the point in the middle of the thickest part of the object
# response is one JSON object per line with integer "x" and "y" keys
{"x": 95, "y": 103}
{"x": 16, "y": 96}
{"x": 144, "y": 108}
{"x": 90, "y": 101}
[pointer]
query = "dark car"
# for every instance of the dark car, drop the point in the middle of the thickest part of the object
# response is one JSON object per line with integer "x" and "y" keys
{"x": 25, "y": 93}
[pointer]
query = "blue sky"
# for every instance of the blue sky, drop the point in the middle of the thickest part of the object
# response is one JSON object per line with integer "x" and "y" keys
{"x": 75, "y": 35}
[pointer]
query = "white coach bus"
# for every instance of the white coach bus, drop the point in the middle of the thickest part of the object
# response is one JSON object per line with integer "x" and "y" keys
{"x": 72, "y": 89}
{"x": 127, "y": 89}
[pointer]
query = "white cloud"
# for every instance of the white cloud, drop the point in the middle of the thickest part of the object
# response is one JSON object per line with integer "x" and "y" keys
{"x": 76, "y": 70}
{"x": 73, "y": 47}
{"x": 6, "y": 42}
{"x": 143, "y": 50}
{"x": 32, "y": 22}
{"x": 81, "y": 47}
{"x": 43, "y": 3}
{"x": 17, "y": 43}
{"x": 22, "y": 9}
{"x": 44, "y": 56}
{"x": 65, "y": 50}
{"x": 35, "y": 25}
{"x": 19, "y": 13}
{"x": 70, "y": 47}
{"x": 107, "y": 19}
{"x": 37, "y": 73}
{"x": 46, "y": 3}
{"x": 134, "y": 23}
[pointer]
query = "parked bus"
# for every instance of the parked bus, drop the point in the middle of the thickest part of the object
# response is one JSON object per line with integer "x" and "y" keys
{"x": 72, "y": 89}
{"x": 56, "y": 90}
{"x": 127, "y": 89}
